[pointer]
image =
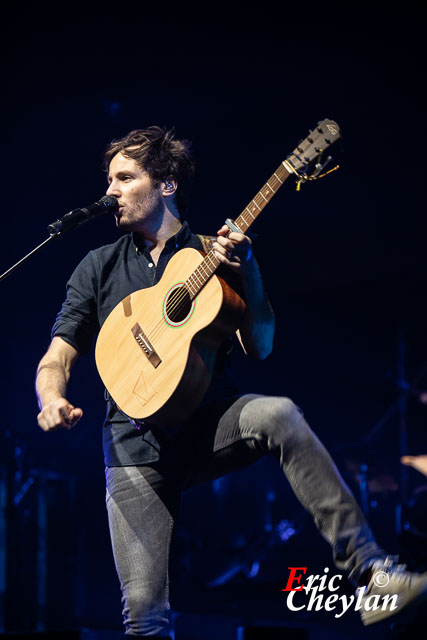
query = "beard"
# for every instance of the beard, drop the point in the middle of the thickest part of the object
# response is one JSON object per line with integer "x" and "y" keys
{"x": 146, "y": 213}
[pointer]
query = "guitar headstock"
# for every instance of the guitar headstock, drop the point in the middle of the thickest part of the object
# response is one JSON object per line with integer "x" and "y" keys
{"x": 326, "y": 133}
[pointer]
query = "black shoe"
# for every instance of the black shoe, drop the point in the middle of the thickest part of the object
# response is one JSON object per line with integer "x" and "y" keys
{"x": 390, "y": 589}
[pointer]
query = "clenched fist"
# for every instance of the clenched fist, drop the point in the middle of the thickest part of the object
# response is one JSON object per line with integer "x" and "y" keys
{"x": 59, "y": 414}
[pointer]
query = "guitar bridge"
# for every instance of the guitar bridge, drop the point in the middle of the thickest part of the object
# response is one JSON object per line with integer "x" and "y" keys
{"x": 146, "y": 345}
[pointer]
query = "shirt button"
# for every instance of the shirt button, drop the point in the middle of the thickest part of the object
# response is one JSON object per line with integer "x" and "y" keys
{"x": 150, "y": 264}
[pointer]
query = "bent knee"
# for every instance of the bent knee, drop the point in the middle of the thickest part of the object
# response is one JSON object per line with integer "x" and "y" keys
{"x": 280, "y": 410}
{"x": 273, "y": 416}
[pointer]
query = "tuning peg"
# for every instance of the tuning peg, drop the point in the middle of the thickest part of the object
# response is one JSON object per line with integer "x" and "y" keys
{"x": 320, "y": 167}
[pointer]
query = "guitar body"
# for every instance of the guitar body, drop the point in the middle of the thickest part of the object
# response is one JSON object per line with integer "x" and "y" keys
{"x": 157, "y": 349}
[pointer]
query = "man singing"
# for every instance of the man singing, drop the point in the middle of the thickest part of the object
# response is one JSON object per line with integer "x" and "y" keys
{"x": 148, "y": 468}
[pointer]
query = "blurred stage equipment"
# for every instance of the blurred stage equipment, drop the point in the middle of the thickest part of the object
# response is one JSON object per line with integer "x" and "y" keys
{"x": 250, "y": 558}
{"x": 37, "y": 545}
{"x": 370, "y": 478}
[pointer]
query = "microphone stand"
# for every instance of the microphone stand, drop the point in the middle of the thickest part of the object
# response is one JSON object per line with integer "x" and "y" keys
{"x": 7, "y": 273}
{"x": 71, "y": 220}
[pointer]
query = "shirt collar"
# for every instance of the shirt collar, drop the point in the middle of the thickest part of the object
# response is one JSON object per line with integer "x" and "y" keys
{"x": 178, "y": 240}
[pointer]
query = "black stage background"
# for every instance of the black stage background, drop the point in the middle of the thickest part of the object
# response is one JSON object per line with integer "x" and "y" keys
{"x": 343, "y": 261}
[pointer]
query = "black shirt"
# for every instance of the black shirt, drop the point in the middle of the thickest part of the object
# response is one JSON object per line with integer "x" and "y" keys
{"x": 101, "y": 280}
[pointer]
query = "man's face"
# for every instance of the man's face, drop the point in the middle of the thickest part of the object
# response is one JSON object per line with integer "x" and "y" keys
{"x": 139, "y": 200}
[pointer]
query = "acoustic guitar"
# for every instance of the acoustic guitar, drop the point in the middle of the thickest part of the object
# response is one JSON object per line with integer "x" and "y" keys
{"x": 157, "y": 349}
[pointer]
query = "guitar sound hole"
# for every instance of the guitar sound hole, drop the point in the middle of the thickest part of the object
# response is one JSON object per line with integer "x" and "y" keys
{"x": 178, "y": 305}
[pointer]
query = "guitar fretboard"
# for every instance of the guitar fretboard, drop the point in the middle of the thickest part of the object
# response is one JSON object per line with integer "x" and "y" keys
{"x": 210, "y": 263}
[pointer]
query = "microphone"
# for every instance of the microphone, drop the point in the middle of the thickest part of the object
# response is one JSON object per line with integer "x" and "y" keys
{"x": 107, "y": 204}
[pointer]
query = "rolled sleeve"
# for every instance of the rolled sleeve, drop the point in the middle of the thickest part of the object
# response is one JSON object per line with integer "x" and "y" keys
{"x": 77, "y": 322}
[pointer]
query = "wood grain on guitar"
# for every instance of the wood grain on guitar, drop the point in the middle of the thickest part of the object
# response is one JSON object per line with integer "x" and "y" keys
{"x": 157, "y": 349}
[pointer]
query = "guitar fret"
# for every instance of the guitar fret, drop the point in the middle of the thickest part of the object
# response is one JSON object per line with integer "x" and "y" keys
{"x": 242, "y": 216}
{"x": 209, "y": 257}
{"x": 210, "y": 263}
{"x": 187, "y": 286}
{"x": 190, "y": 286}
{"x": 144, "y": 397}
{"x": 208, "y": 267}
{"x": 214, "y": 261}
{"x": 203, "y": 266}
{"x": 242, "y": 223}
{"x": 197, "y": 276}
{"x": 261, "y": 203}
{"x": 242, "y": 226}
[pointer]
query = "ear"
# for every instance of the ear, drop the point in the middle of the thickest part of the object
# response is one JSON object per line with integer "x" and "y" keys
{"x": 169, "y": 186}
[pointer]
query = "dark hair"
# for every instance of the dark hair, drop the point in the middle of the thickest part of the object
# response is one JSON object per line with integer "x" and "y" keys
{"x": 160, "y": 154}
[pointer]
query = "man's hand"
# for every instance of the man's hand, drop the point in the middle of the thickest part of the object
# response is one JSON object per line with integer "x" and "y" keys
{"x": 235, "y": 251}
{"x": 53, "y": 374}
{"x": 59, "y": 414}
{"x": 256, "y": 330}
{"x": 417, "y": 462}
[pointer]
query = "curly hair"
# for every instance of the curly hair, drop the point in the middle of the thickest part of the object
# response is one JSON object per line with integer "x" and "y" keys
{"x": 160, "y": 154}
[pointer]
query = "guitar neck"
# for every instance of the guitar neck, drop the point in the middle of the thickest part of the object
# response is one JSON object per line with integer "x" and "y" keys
{"x": 262, "y": 198}
{"x": 210, "y": 263}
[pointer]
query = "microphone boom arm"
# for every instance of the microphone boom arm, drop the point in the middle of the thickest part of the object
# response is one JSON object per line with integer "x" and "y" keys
{"x": 71, "y": 220}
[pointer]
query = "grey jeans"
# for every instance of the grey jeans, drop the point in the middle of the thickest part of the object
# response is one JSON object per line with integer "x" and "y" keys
{"x": 143, "y": 501}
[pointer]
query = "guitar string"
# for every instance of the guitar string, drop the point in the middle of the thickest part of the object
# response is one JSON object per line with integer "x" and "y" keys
{"x": 181, "y": 299}
{"x": 269, "y": 191}
{"x": 284, "y": 174}
{"x": 260, "y": 202}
